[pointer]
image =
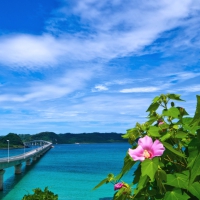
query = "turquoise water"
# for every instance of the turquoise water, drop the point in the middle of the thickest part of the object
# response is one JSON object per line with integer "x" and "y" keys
{"x": 71, "y": 171}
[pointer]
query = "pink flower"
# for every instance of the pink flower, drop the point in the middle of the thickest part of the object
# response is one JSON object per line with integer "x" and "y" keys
{"x": 160, "y": 123}
{"x": 147, "y": 149}
{"x": 117, "y": 186}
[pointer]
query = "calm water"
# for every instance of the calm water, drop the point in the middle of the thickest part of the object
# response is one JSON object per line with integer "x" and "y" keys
{"x": 71, "y": 171}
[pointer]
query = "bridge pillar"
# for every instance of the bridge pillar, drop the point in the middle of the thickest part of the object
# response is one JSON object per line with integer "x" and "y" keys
{"x": 28, "y": 162}
{"x": 34, "y": 158}
{"x": 18, "y": 169}
{"x": 2, "y": 171}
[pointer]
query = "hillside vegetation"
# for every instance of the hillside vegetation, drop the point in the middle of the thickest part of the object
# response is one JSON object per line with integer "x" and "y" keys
{"x": 69, "y": 138}
{"x": 14, "y": 141}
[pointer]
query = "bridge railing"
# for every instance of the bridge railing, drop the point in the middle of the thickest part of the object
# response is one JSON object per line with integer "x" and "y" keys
{"x": 25, "y": 155}
{"x": 17, "y": 160}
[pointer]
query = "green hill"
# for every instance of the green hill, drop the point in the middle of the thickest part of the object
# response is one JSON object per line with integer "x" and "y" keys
{"x": 14, "y": 141}
{"x": 69, "y": 138}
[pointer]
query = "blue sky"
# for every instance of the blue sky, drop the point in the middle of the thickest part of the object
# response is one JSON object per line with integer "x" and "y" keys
{"x": 89, "y": 65}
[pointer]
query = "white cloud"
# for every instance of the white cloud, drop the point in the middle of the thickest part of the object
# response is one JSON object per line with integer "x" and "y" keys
{"x": 99, "y": 88}
{"x": 140, "y": 89}
{"x": 56, "y": 88}
{"x": 108, "y": 39}
{"x": 191, "y": 88}
{"x": 29, "y": 51}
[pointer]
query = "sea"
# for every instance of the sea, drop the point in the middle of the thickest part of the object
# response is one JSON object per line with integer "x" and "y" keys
{"x": 69, "y": 170}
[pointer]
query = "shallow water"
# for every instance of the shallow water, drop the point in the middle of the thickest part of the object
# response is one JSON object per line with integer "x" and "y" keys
{"x": 71, "y": 171}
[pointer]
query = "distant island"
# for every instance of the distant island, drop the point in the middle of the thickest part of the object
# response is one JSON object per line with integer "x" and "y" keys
{"x": 16, "y": 140}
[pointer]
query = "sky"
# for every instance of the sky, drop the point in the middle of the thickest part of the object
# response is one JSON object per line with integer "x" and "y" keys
{"x": 94, "y": 66}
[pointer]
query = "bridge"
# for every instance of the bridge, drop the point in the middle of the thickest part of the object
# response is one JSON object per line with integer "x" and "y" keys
{"x": 27, "y": 157}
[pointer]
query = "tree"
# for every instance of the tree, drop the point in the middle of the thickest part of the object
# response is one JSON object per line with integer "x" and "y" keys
{"x": 165, "y": 151}
{"x": 41, "y": 195}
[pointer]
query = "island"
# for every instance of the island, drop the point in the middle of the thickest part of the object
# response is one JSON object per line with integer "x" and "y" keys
{"x": 17, "y": 140}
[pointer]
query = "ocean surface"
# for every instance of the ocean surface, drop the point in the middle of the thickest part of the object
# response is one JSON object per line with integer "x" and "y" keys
{"x": 70, "y": 170}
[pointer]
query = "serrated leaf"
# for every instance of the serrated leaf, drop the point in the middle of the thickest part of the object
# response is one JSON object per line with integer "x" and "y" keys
{"x": 172, "y": 112}
{"x": 177, "y": 180}
{"x": 153, "y": 107}
{"x": 175, "y": 97}
{"x": 154, "y": 131}
{"x": 194, "y": 189}
{"x": 169, "y": 147}
{"x": 149, "y": 167}
{"x": 176, "y": 194}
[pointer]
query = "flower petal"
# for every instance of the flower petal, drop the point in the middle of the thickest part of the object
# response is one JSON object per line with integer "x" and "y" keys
{"x": 137, "y": 154}
{"x": 117, "y": 186}
{"x": 146, "y": 142}
{"x": 157, "y": 148}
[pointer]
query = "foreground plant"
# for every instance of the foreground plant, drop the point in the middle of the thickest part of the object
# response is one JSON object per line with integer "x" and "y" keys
{"x": 165, "y": 153}
{"x": 41, "y": 195}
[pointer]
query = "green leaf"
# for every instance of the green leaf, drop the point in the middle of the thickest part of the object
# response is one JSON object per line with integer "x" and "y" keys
{"x": 156, "y": 99}
{"x": 175, "y": 97}
{"x": 172, "y": 112}
{"x": 195, "y": 170}
{"x": 163, "y": 126}
{"x": 175, "y": 127}
{"x": 181, "y": 134}
{"x": 119, "y": 195}
{"x": 177, "y": 180}
{"x": 161, "y": 175}
{"x": 154, "y": 131}
{"x": 100, "y": 184}
{"x": 149, "y": 167}
{"x": 128, "y": 164}
{"x": 132, "y": 135}
{"x": 165, "y": 137}
{"x": 194, "y": 189}
{"x": 169, "y": 147}
{"x": 182, "y": 111}
{"x": 192, "y": 157}
{"x": 196, "y": 119}
{"x": 109, "y": 178}
{"x": 153, "y": 107}
{"x": 195, "y": 143}
{"x": 152, "y": 119}
{"x": 141, "y": 184}
{"x": 176, "y": 194}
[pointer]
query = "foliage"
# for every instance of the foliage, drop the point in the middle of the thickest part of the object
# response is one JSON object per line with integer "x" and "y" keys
{"x": 176, "y": 173}
{"x": 14, "y": 141}
{"x": 69, "y": 138}
{"x": 41, "y": 195}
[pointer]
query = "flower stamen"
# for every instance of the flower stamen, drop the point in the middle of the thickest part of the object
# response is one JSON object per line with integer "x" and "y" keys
{"x": 146, "y": 154}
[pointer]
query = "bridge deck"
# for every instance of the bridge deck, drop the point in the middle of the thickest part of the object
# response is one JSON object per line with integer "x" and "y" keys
{"x": 26, "y": 157}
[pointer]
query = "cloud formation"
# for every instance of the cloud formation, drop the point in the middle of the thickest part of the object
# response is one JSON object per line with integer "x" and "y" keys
{"x": 97, "y": 65}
